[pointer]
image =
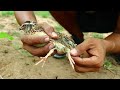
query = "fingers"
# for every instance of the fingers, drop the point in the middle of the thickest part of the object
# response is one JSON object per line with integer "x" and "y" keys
{"x": 81, "y": 48}
{"x": 85, "y": 69}
{"x": 29, "y": 41}
{"x": 96, "y": 55}
{"x": 38, "y": 51}
{"x": 93, "y": 61}
{"x": 32, "y": 40}
{"x": 49, "y": 30}
{"x": 37, "y": 39}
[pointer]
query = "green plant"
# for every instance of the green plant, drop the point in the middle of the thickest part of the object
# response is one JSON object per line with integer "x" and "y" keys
{"x": 44, "y": 14}
{"x": 5, "y": 35}
{"x": 97, "y": 35}
{"x": 6, "y": 13}
{"x": 107, "y": 65}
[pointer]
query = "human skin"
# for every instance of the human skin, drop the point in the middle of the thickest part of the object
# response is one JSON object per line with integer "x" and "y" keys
{"x": 96, "y": 48}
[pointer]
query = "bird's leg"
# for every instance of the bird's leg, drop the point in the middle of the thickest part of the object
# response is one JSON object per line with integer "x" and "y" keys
{"x": 70, "y": 60}
{"x": 43, "y": 59}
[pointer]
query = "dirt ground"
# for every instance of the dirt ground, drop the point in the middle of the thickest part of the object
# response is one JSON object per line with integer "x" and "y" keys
{"x": 16, "y": 63}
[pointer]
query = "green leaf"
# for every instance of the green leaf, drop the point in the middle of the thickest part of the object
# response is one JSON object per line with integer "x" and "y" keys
{"x": 5, "y": 35}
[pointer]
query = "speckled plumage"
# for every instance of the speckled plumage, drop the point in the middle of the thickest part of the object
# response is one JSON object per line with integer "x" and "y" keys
{"x": 63, "y": 44}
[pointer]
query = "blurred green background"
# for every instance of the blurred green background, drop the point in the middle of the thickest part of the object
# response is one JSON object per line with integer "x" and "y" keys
{"x": 44, "y": 14}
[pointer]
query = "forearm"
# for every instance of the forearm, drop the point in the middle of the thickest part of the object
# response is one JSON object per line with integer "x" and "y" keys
{"x": 112, "y": 42}
{"x": 67, "y": 19}
{"x": 22, "y": 16}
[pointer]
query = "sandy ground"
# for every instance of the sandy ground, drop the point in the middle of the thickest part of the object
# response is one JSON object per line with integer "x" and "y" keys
{"x": 17, "y": 63}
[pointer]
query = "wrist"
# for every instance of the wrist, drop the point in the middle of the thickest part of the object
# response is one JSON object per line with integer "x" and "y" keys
{"x": 29, "y": 26}
{"x": 109, "y": 45}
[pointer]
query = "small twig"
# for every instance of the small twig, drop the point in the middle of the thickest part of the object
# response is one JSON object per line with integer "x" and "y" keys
{"x": 111, "y": 71}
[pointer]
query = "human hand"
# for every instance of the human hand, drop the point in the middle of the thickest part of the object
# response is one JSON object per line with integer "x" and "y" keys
{"x": 96, "y": 51}
{"x": 30, "y": 41}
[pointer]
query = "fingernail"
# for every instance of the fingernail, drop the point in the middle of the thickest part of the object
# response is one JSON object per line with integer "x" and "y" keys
{"x": 73, "y": 52}
{"x": 54, "y": 34}
{"x": 46, "y": 39}
{"x": 51, "y": 46}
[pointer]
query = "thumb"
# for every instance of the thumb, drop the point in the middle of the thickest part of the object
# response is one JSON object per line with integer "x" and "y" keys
{"x": 81, "y": 48}
{"x": 49, "y": 30}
